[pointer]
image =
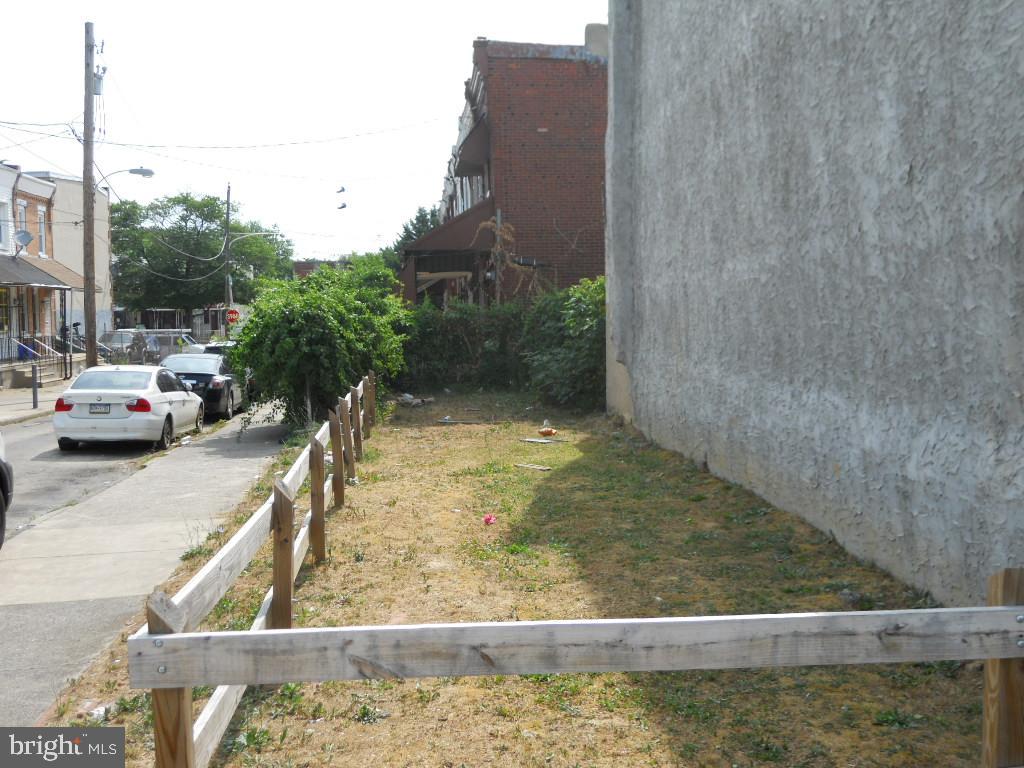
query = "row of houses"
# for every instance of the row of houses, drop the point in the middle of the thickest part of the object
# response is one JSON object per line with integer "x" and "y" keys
{"x": 41, "y": 269}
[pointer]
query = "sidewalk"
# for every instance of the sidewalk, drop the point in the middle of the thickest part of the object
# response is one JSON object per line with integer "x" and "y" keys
{"x": 16, "y": 404}
{"x": 68, "y": 583}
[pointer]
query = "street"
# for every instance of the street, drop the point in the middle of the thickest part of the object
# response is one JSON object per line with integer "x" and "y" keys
{"x": 47, "y": 479}
{"x": 98, "y": 531}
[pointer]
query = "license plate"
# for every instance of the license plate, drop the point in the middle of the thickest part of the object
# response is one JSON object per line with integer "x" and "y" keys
{"x": 99, "y": 407}
{"x": 189, "y": 381}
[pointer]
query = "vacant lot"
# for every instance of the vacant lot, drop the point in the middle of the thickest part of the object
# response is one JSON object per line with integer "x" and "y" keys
{"x": 616, "y": 528}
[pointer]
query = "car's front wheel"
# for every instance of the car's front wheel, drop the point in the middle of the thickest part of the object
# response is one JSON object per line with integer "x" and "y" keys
{"x": 66, "y": 443}
{"x": 166, "y": 435}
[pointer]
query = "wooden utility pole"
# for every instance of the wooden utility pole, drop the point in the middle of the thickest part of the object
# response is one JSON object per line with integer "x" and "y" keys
{"x": 89, "y": 203}
{"x": 229, "y": 298}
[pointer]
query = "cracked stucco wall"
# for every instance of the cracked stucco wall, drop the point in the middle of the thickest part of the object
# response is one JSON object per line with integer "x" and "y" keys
{"x": 816, "y": 279}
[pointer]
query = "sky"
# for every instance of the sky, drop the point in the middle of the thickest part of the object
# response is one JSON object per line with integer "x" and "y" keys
{"x": 355, "y": 94}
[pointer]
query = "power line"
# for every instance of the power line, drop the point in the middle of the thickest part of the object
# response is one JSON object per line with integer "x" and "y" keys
{"x": 180, "y": 279}
{"x": 267, "y": 145}
{"x": 40, "y": 157}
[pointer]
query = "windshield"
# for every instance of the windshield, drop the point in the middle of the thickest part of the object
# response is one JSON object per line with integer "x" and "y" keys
{"x": 112, "y": 380}
{"x": 192, "y": 363}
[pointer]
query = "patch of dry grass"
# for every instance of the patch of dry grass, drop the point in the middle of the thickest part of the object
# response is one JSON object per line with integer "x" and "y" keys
{"x": 618, "y": 528}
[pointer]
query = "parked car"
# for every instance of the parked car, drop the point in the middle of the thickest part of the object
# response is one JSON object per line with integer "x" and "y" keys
{"x": 126, "y": 402}
{"x": 6, "y": 488}
{"x": 174, "y": 340}
{"x": 219, "y": 347}
{"x": 148, "y": 345}
{"x": 211, "y": 378}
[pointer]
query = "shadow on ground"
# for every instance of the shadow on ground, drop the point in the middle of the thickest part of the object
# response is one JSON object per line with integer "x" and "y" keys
{"x": 652, "y": 535}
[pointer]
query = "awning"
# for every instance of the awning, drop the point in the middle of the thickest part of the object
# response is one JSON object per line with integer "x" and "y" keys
{"x": 17, "y": 271}
{"x": 65, "y": 275}
{"x": 462, "y": 233}
{"x": 426, "y": 279}
{"x": 474, "y": 151}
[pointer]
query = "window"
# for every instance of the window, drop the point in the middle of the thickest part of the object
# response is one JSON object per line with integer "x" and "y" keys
{"x": 22, "y": 215}
{"x": 168, "y": 382}
{"x": 5, "y": 228}
{"x": 99, "y": 379}
{"x": 41, "y": 215}
{"x": 5, "y": 309}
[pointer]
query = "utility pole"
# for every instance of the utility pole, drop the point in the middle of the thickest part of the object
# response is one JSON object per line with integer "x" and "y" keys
{"x": 89, "y": 204}
{"x": 229, "y": 298}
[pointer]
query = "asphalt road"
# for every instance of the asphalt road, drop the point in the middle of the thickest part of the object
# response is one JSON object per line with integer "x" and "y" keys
{"x": 46, "y": 479}
{"x": 72, "y": 577}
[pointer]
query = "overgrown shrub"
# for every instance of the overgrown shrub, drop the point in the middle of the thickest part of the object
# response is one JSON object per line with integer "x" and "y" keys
{"x": 564, "y": 345}
{"x": 309, "y": 340}
{"x": 556, "y": 345}
{"x": 464, "y": 344}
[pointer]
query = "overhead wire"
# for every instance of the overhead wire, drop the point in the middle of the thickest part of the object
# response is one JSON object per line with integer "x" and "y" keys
{"x": 180, "y": 279}
{"x": 218, "y": 147}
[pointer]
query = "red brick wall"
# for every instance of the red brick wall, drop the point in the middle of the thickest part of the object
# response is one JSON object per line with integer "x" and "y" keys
{"x": 548, "y": 121}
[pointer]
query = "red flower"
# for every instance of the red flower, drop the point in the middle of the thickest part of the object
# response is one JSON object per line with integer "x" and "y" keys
{"x": 490, "y": 519}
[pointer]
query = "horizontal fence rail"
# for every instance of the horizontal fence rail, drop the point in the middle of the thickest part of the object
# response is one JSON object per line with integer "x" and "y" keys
{"x": 604, "y": 645}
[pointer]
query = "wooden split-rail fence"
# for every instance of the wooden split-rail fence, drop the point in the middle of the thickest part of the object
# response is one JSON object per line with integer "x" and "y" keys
{"x": 169, "y": 656}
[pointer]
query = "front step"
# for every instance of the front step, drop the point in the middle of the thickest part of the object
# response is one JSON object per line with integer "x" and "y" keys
{"x": 19, "y": 376}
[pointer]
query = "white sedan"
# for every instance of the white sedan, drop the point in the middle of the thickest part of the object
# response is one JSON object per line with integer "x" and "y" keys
{"x": 126, "y": 402}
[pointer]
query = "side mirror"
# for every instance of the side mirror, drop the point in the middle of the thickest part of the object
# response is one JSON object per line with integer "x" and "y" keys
{"x": 188, "y": 387}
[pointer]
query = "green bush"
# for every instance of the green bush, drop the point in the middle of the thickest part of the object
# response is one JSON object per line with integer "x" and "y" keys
{"x": 315, "y": 337}
{"x": 464, "y": 344}
{"x": 555, "y": 346}
{"x": 564, "y": 345}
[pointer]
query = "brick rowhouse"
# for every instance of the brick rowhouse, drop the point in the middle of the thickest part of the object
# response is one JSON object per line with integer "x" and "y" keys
{"x": 530, "y": 147}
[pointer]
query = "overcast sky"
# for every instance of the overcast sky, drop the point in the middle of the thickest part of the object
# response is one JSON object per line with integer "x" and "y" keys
{"x": 374, "y": 89}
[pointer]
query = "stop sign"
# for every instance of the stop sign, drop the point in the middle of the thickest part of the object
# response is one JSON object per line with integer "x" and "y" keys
{"x": 233, "y": 316}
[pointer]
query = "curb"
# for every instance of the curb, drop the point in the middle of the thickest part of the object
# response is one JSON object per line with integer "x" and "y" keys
{"x": 6, "y": 422}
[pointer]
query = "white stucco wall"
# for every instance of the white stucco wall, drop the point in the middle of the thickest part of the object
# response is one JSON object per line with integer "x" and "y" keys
{"x": 815, "y": 269}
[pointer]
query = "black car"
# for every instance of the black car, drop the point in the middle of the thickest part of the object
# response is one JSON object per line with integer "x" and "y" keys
{"x": 211, "y": 378}
{"x": 6, "y": 489}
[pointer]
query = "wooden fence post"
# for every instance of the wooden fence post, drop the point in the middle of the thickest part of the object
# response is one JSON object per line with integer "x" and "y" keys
{"x": 357, "y": 423}
{"x": 317, "y": 521}
{"x": 338, "y": 455}
{"x": 1002, "y": 735}
{"x": 172, "y": 707}
{"x": 346, "y": 435}
{"x": 282, "y": 526}
{"x": 371, "y": 398}
{"x": 364, "y": 422}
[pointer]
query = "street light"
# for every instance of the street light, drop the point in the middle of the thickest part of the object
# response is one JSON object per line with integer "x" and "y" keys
{"x": 146, "y": 173}
{"x": 89, "y": 233}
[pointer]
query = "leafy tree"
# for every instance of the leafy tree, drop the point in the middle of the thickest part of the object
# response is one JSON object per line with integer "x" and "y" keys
{"x": 306, "y": 341}
{"x": 424, "y": 221}
{"x": 171, "y": 253}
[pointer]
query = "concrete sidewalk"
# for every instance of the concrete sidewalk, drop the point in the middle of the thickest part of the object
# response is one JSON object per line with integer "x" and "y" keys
{"x": 16, "y": 404}
{"x": 69, "y": 583}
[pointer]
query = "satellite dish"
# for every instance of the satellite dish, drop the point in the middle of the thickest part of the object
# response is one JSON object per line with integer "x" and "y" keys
{"x": 23, "y": 237}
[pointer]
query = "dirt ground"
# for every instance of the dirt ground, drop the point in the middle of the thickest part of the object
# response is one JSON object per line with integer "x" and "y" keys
{"x": 616, "y": 528}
